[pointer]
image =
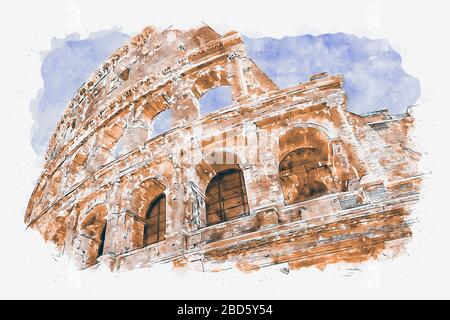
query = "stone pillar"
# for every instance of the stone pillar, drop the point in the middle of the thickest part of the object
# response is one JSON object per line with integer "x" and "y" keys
{"x": 85, "y": 251}
{"x": 269, "y": 187}
{"x": 176, "y": 196}
{"x": 373, "y": 171}
{"x": 113, "y": 198}
{"x": 121, "y": 235}
{"x": 235, "y": 71}
{"x": 198, "y": 207}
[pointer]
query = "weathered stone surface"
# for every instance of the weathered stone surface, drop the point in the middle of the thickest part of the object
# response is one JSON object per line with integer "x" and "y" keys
{"x": 319, "y": 184}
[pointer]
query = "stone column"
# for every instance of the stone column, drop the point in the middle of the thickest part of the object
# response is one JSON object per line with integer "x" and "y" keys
{"x": 198, "y": 207}
{"x": 235, "y": 71}
{"x": 121, "y": 235}
{"x": 372, "y": 169}
{"x": 176, "y": 196}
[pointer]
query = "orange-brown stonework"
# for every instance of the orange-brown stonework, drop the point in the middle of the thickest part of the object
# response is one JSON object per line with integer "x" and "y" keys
{"x": 280, "y": 176}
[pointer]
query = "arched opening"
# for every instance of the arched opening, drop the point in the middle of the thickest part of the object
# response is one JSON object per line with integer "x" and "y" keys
{"x": 148, "y": 202}
{"x": 92, "y": 234}
{"x": 162, "y": 123}
{"x": 226, "y": 197}
{"x": 305, "y": 169}
{"x": 155, "y": 221}
{"x": 216, "y": 99}
{"x": 305, "y": 174}
{"x": 101, "y": 246}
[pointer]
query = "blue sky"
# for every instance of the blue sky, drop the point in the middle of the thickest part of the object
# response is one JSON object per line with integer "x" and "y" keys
{"x": 64, "y": 69}
{"x": 373, "y": 74}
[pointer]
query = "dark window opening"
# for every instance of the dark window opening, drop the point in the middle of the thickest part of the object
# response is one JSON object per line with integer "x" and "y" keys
{"x": 155, "y": 226}
{"x": 124, "y": 75}
{"x": 101, "y": 246}
{"x": 304, "y": 175}
{"x": 226, "y": 198}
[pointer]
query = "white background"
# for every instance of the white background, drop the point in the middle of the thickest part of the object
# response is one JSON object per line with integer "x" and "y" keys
{"x": 418, "y": 31}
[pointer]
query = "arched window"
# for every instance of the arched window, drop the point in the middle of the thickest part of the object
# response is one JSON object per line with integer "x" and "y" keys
{"x": 226, "y": 198}
{"x": 155, "y": 226}
{"x": 216, "y": 99}
{"x": 304, "y": 175}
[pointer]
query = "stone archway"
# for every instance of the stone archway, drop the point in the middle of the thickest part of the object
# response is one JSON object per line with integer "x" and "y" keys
{"x": 141, "y": 217}
{"x": 305, "y": 169}
{"x": 92, "y": 235}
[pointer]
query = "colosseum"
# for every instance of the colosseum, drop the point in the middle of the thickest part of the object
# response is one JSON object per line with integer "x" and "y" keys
{"x": 280, "y": 176}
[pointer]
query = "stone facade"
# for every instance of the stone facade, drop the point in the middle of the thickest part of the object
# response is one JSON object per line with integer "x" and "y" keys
{"x": 280, "y": 176}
